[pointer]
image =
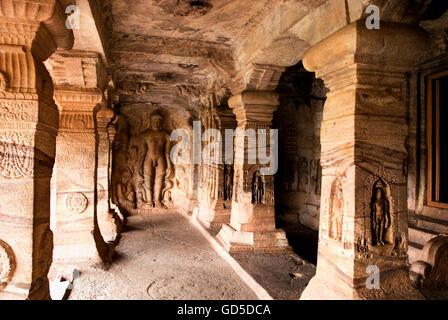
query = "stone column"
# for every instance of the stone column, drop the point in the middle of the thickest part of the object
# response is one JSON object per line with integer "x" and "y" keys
{"x": 77, "y": 238}
{"x": 363, "y": 218}
{"x": 28, "y": 128}
{"x": 109, "y": 222}
{"x": 252, "y": 222}
{"x": 215, "y": 207}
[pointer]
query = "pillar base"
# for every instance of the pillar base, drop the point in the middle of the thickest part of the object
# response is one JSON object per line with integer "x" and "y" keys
{"x": 111, "y": 224}
{"x": 214, "y": 217}
{"x": 394, "y": 285}
{"x": 235, "y": 241}
{"x": 81, "y": 250}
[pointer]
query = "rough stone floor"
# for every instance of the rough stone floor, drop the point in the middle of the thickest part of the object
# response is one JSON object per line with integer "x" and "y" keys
{"x": 283, "y": 275}
{"x": 163, "y": 256}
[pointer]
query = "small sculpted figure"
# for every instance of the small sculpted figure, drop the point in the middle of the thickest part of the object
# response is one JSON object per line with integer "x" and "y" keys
{"x": 336, "y": 211}
{"x": 228, "y": 183}
{"x": 380, "y": 217}
{"x": 257, "y": 188}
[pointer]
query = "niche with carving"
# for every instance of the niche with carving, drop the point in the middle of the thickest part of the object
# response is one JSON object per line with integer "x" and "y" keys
{"x": 142, "y": 171}
{"x": 381, "y": 219}
{"x": 336, "y": 214}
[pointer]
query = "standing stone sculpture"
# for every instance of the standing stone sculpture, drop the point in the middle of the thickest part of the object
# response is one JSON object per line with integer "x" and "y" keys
{"x": 336, "y": 210}
{"x": 228, "y": 182}
{"x": 380, "y": 215}
{"x": 257, "y": 188}
{"x": 156, "y": 163}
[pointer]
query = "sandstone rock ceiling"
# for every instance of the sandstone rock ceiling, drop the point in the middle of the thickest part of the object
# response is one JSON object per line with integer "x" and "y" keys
{"x": 160, "y": 44}
{"x": 171, "y": 52}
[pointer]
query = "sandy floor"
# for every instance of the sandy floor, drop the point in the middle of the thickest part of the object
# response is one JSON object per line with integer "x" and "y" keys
{"x": 162, "y": 257}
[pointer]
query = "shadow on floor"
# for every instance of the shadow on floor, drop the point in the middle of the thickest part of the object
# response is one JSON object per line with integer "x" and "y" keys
{"x": 302, "y": 239}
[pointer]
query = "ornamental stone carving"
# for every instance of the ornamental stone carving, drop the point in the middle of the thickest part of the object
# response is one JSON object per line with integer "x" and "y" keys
{"x": 16, "y": 155}
{"x": 7, "y": 264}
{"x": 76, "y": 202}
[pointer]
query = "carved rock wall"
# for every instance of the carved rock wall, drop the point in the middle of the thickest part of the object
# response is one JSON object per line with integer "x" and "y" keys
{"x": 142, "y": 183}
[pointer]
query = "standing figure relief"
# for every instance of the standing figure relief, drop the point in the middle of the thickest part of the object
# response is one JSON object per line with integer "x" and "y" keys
{"x": 336, "y": 216}
{"x": 156, "y": 162}
{"x": 257, "y": 188}
{"x": 228, "y": 182}
{"x": 381, "y": 219}
{"x": 149, "y": 164}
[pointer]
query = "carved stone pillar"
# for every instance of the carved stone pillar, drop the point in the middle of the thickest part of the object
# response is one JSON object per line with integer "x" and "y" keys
{"x": 363, "y": 216}
{"x": 109, "y": 222}
{"x": 252, "y": 222}
{"x": 28, "y": 128}
{"x": 77, "y": 237}
{"x": 216, "y": 201}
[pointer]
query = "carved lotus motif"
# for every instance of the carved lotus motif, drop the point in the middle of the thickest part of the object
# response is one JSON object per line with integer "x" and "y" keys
{"x": 101, "y": 191}
{"x": 77, "y": 202}
{"x": 7, "y": 264}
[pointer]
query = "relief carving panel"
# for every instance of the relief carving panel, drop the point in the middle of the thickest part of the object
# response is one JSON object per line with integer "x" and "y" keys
{"x": 16, "y": 155}
{"x": 76, "y": 202}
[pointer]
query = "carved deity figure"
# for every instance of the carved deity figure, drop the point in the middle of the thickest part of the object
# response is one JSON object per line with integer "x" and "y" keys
{"x": 156, "y": 164}
{"x": 336, "y": 211}
{"x": 228, "y": 182}
{"x": 304, "y": 176}
{"x": 257, "y": 188}
{"x": 380, "y": 217}
{"x": 136, "y": 183}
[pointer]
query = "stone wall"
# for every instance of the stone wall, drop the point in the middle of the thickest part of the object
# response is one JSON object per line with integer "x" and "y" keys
{"x": 299, "y": 117}
{"x": 425, "y": 221}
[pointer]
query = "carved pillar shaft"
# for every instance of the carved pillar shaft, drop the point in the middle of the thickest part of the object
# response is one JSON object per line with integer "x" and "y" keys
{"x": 109, "y": 222}
{"x": 28, "y": 127}
{"x": 77, "y": 239}
{"x": 252, "y": 222}
{"x": 215, "y": 208}
{"x": 363, "y": 219}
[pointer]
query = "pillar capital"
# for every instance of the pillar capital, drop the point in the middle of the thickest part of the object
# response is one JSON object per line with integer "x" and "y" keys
{"x": 254, "y": 107}
{"x": 256, "y": 77}
{"x": 393, "y": 47}
{"x": 104, "y": 116}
